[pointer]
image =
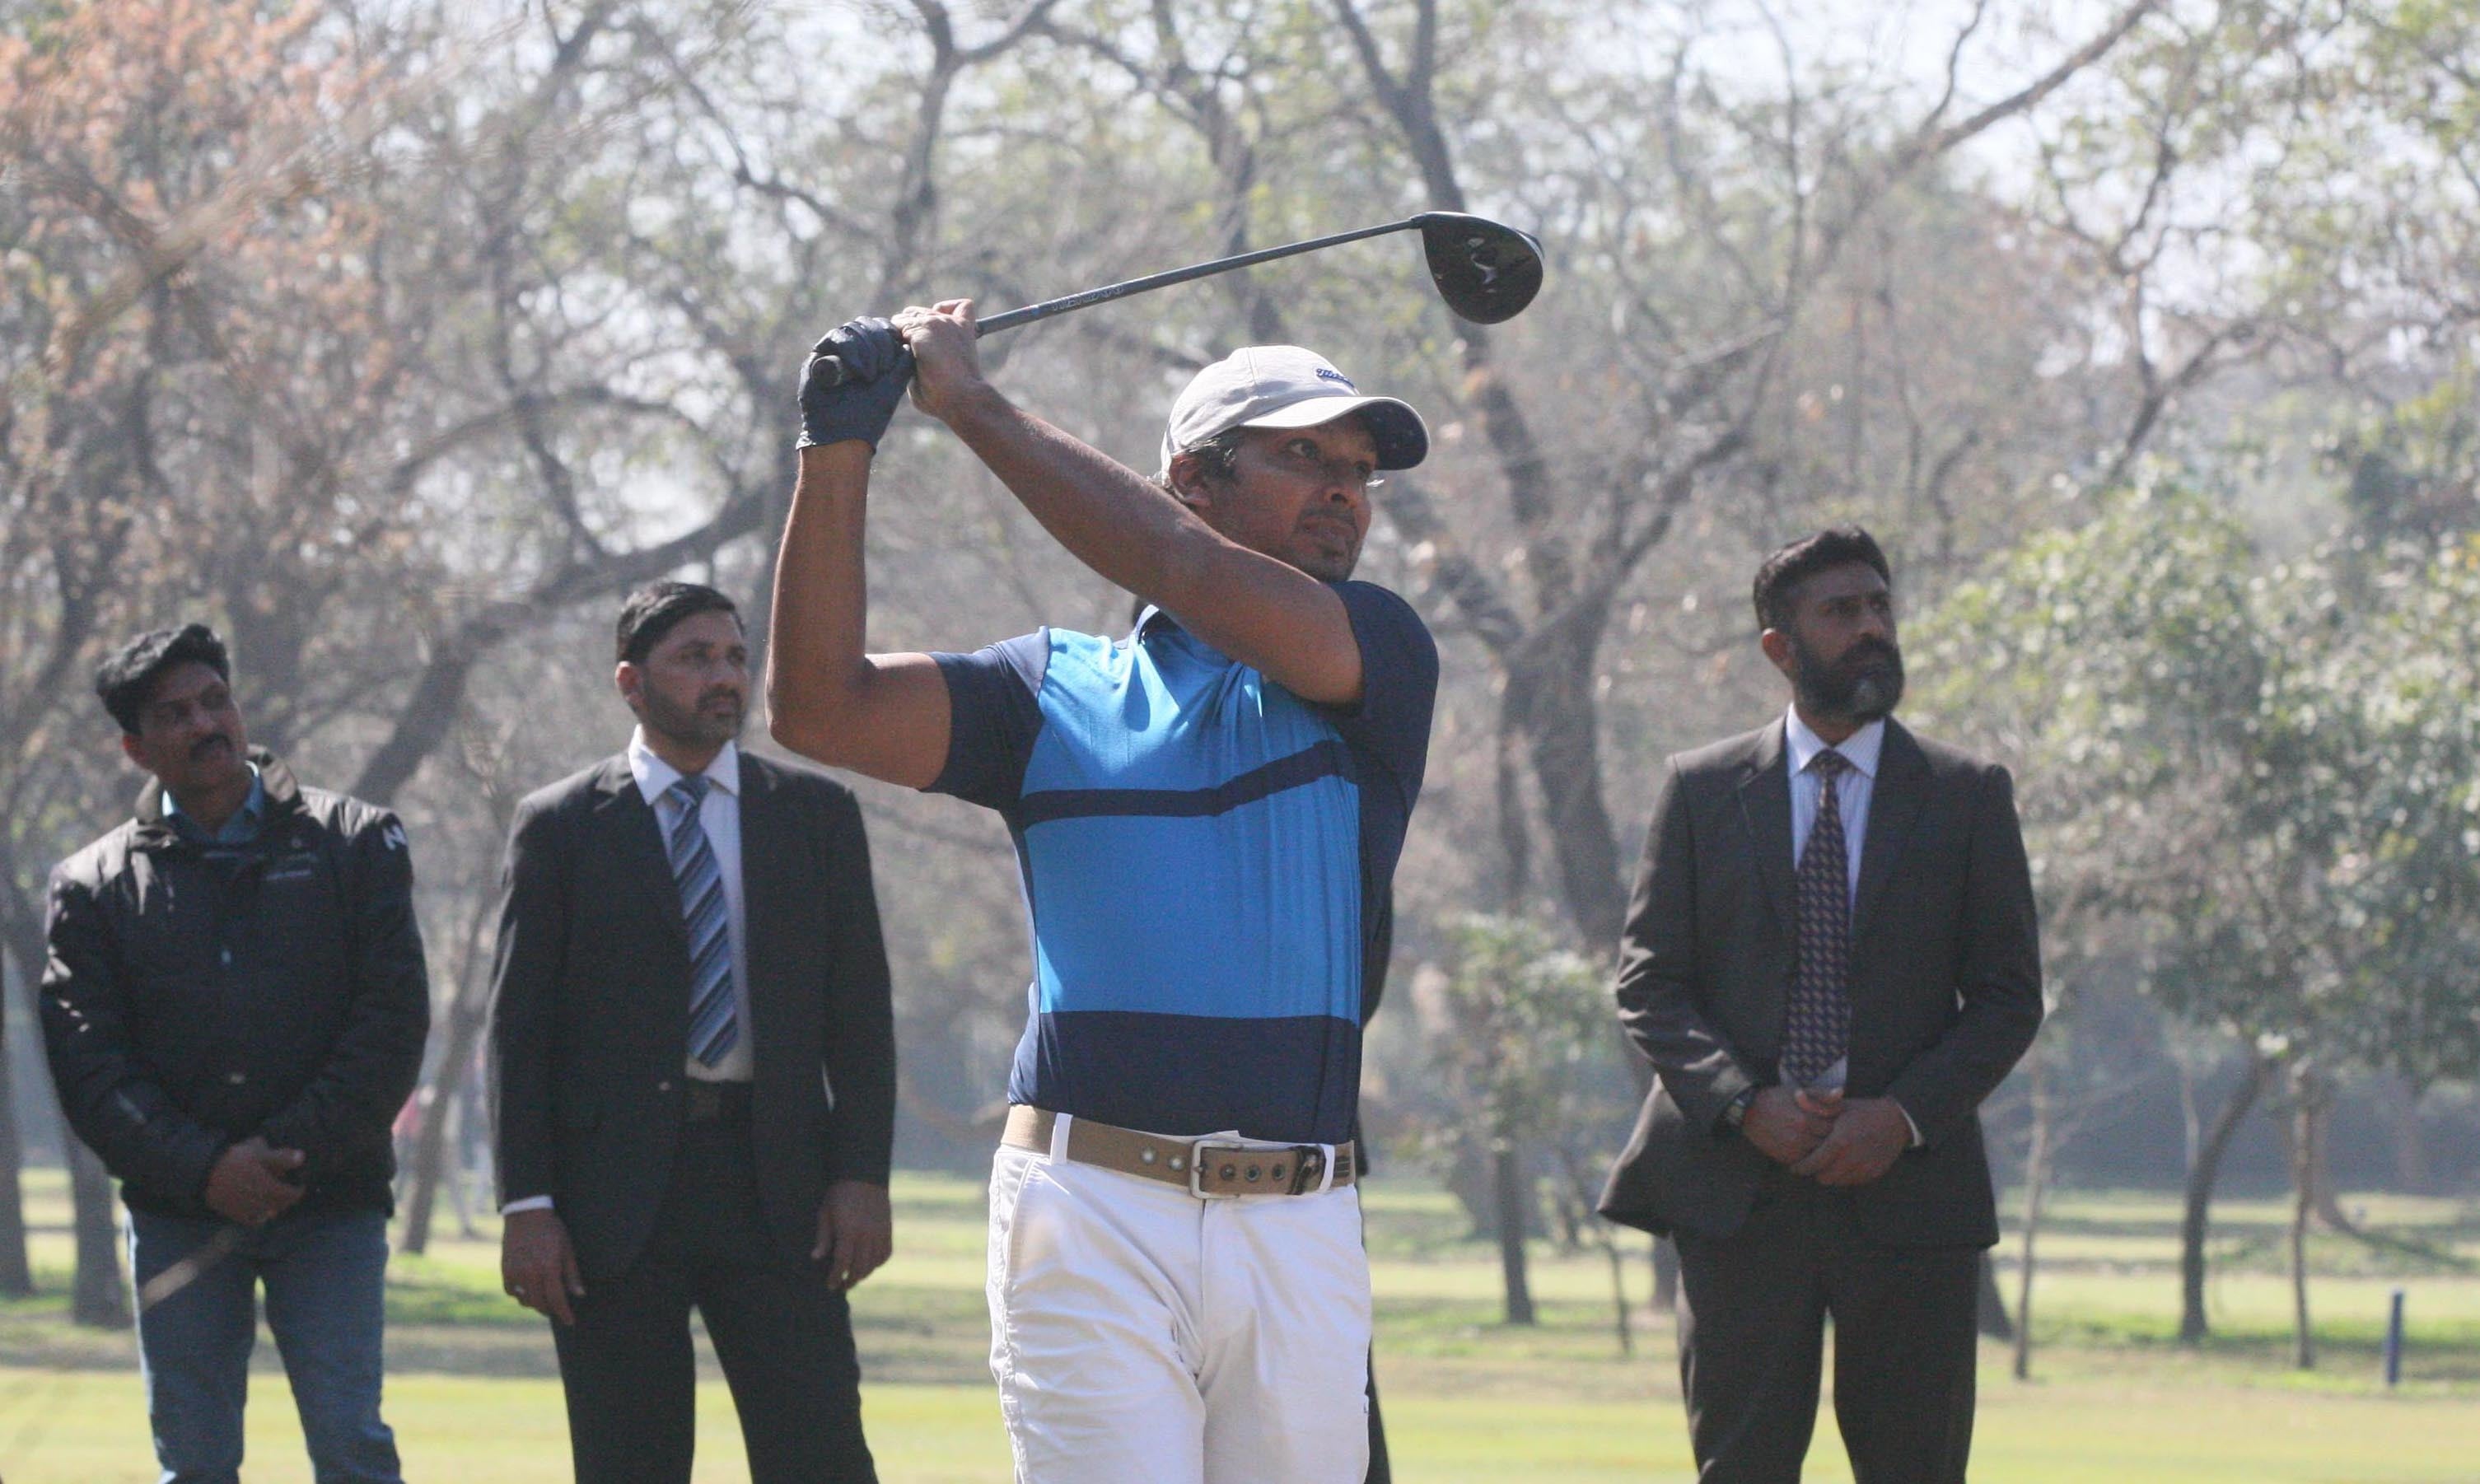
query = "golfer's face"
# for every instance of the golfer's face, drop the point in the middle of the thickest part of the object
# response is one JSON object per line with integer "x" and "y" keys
{"x": 1303, "y": 496}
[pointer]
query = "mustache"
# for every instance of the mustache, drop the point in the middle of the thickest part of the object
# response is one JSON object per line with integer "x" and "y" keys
{"x": 722, "y": 693}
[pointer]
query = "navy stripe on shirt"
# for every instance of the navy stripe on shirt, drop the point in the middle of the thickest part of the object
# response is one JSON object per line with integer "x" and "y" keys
{"x": 1325, "y": 759}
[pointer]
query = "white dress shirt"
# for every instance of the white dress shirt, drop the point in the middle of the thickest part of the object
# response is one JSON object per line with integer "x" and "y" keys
{"x": 1854, "y": 790}
{"x": 720, "y": 813}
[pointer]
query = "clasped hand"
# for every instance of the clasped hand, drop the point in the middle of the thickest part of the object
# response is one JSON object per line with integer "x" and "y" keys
{"x": 251, "y": 1183}
{"x": 1826, "y": 1138}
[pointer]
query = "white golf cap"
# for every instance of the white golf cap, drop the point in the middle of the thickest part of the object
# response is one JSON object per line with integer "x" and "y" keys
{"x": 1285, "y": 386}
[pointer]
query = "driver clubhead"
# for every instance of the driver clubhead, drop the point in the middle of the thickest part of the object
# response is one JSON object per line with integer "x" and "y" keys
{"x": 1486, "y": 271}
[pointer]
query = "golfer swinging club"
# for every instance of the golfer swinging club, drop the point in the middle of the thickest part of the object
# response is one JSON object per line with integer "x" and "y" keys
{"x": 1207, "y": 815}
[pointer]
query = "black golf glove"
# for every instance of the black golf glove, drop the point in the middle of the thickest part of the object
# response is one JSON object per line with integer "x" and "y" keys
{"x": 876, "y": 367}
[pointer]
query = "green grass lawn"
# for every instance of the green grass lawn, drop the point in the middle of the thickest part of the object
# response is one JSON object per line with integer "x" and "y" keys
{"x": 472, "y": 1394}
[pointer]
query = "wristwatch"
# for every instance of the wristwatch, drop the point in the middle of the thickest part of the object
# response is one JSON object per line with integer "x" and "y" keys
{"x": 1736, "y": 1111}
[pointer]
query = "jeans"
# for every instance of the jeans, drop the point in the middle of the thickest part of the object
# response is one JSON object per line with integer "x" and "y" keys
{"x": 324, "y": 1273}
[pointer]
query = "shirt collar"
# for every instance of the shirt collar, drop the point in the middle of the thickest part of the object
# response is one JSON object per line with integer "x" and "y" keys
{"x": 1154, "y": 624}
{"x": 655, "y": 776}
{"x": 241, "y": 826}
{"x": 1860, "y": 749}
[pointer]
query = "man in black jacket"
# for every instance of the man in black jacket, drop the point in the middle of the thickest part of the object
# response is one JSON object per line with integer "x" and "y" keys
{"x": 235, "y": 1005}
{"x": 1830, "y": 960}
{"x": 695, "y": 1065}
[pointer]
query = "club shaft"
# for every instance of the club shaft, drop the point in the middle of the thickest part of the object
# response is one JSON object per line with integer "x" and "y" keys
{"x": 1010, "y": 318}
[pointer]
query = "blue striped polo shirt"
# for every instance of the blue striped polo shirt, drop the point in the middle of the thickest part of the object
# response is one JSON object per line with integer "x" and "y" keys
{"x": 1208, "y": 864}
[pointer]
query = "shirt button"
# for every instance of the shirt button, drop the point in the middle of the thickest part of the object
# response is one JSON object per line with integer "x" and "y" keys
{"x": 236, "y": 1078}
{"x": 663, "y": 1086}
{"x": 228, "y": 957}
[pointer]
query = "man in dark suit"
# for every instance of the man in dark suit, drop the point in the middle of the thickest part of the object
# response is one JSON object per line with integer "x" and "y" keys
{"x": 1830, "y": 959}
{"x": 695, "y": 1072}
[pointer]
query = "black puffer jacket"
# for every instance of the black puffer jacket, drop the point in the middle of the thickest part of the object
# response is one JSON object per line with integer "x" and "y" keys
{"x": 193, "y": 998}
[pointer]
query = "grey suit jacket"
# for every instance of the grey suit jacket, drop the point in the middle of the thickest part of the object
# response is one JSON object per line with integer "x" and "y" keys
{"x": 589, "y": 1027}
{"x": 1944, "y": 982}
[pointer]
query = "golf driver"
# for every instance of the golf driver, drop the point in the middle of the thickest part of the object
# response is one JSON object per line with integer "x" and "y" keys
{"x": 1486, "y": 271}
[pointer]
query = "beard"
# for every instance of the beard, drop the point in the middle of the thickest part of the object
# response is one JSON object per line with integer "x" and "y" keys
{"x": 702, "y": 725}
{"x": 1326, "y": 566}
{"x": 1865, "y": 685}
{"x": 1314, "y": 550}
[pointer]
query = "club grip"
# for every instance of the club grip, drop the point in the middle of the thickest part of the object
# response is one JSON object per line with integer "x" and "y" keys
{"x": 828, "y": 372}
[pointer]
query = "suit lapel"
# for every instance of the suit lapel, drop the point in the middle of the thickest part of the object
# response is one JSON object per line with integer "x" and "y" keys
{"x": 1765, "y": 805}
{"x": 626, "y": 826}
{"x": 1893, "y": 808}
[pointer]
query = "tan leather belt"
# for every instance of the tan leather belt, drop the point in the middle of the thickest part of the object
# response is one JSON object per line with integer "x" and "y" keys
{"x": 1208, "y": 1168}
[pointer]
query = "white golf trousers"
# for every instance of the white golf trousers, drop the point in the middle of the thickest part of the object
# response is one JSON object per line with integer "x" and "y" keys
{"x": 1142, "y": 1336}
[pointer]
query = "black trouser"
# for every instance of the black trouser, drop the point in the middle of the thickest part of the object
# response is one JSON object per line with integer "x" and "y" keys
{"x": 1379, "y": 1471}
{"x": 785, "y": 1338}
{"x": 1753, "y": 1311}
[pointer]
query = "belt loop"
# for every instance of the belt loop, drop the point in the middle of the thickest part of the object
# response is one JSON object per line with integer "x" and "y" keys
{"x": 1059, "y": 1137}
{"x": 1325, "y": 1176}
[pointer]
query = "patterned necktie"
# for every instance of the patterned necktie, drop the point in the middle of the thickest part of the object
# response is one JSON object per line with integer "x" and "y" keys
{"x": 1817, "y": 1030}
{"x": 714, "y": 1025}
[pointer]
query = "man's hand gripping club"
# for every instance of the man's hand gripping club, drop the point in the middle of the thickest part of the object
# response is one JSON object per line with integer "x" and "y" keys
{"x": 856, "y": 408}
{"x": 929, "y": 349}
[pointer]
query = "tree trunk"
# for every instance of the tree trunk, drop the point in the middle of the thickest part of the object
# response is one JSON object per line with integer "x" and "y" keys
{"x": 2400, "y": 1101}
{"x": 98, "y": 1298}
{"x": 445, "y": 1108}
{"x": 1618, "y": 1294}
{"x": 2193, "y": 1326}
{"x": 1507, "y": 1177}
{"x": 17, "y": 1276}
{"x": 16, "y": 1273}
{"x": 2325, "y": 1200}
{"x": 2036, "y": 1179}
{"x": 1563, "y": 725}
{"x": 97, "y": 1295}
{"x": 2307, "y": 1112}
{"x": 464, "y": 1170}
{"x": 2191, "y": 1122}
{"x": 1607, "y": 1236}
{"x": 467, "y": 1019}
{"x": 1992, "y": 1320}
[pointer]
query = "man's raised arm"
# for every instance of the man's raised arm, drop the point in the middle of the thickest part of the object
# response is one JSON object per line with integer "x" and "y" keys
{"x": 827, "y": 698}
{"x": 1259, "y": 611}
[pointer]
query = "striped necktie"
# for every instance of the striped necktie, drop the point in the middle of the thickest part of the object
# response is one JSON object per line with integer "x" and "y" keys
{"x": 1816, "y": 1029}
{"x": 713, "y": 1024}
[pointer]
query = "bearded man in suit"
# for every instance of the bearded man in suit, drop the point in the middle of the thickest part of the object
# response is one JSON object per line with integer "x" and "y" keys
{"x": 1830, "y": 959}
{"x": 695, "y": 1072}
